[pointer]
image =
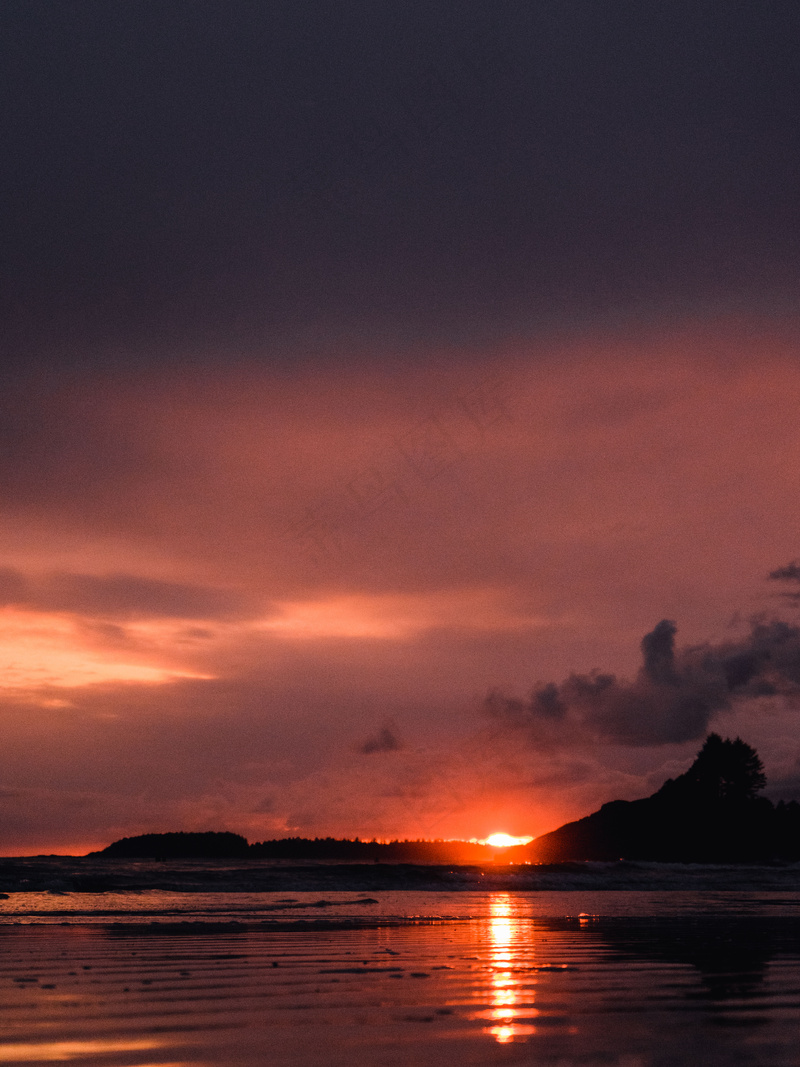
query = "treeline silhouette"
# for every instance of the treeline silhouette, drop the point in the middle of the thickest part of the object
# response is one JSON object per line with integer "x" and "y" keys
{"x": 355, "y": 850}
{"x": 224, "y": 846}
{"x": 710, "y": 814}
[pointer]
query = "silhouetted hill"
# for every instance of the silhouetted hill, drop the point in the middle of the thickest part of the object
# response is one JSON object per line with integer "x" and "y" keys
{"x": 710, "y": 814}
{"x": 211, "y": 845}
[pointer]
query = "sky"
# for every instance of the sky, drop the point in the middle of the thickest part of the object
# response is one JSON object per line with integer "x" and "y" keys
{"x": 400, "y": 411}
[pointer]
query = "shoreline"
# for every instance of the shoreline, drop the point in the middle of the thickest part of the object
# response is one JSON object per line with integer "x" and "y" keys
{"x": 69, "y": 875}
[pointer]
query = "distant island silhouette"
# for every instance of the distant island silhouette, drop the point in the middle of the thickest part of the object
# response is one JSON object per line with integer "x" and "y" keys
{"x": 208, "y": 845}
{"x": 710, "y": 814}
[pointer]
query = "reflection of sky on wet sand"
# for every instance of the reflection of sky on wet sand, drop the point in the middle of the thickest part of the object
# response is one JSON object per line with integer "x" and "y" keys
{"x": 61, "y": 1051}
{"x": 431, "y": 992}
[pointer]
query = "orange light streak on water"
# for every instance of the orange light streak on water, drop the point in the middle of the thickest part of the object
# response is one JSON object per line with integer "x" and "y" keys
{"x": 504, "y": 931}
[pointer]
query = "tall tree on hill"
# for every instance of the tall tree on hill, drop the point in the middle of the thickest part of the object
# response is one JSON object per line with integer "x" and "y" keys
{"x": 726, "y": 771}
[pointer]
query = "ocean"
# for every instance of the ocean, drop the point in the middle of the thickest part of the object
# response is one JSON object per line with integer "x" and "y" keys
{"x": 200, "y": 965}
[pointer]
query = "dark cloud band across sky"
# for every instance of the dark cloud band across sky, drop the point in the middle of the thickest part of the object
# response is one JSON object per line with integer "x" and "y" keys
{"x": 193, "y": 174}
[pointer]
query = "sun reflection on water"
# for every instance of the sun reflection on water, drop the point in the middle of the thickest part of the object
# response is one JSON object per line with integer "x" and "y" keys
{"x": 505, "y": 933}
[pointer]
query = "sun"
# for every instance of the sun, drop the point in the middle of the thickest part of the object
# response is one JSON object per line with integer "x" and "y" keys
{"x": 505, "y": 840}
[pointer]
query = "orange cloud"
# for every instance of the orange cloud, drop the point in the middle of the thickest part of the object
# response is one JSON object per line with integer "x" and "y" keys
{"x": 39, "y": 651}
{"x": 400, "y": 616}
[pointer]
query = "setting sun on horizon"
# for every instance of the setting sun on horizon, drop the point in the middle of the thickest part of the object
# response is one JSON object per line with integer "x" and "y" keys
{"x": 504, "y": 840}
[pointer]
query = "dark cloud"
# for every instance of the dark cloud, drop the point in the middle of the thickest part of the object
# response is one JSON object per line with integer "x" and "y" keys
{"x": 547, "y": 703}
{"x": 675, "y": 695}
{"x": 789, "y": 573}
{"x": 120, "y": 596}
{"x": 385, "y": 740}
{"x": 215, "y": 171}
{"x": 658, "y": 650}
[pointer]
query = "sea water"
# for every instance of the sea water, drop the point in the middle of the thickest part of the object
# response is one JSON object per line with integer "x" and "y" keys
{"x": 630, "y": 977}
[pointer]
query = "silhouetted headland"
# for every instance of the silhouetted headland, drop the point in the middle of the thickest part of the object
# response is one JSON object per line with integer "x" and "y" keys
{"x": 710, "y": 814}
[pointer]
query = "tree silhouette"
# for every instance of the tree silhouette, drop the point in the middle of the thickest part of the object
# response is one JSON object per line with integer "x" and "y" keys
{"x": 727, "y": 771}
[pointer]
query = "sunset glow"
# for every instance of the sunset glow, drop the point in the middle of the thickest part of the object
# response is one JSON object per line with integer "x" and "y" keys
{"x": 384, "y": 687}
{"x": 505, "y": 840}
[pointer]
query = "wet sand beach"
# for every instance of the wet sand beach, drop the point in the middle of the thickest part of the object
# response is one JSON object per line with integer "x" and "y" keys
{"x": 558, "y": 978}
